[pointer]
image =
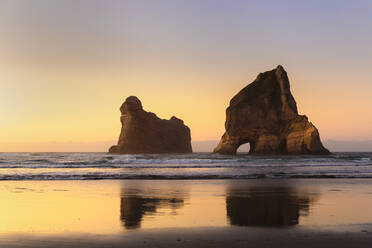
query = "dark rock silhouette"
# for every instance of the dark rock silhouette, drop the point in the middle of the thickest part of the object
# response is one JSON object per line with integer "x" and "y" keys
{"x": 267, "y": 206}
{"x": 144, "y": 132}
{"x": 265, "y": 114}
{"x": 133, "y": 207}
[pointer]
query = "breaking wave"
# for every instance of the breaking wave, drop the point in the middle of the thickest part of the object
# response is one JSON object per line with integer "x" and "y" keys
{"x": 84, "y": 166}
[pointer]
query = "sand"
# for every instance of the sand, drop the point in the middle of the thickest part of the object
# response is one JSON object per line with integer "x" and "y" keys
{"x": 187, "y": 213}
{"x": 199, "y": 237}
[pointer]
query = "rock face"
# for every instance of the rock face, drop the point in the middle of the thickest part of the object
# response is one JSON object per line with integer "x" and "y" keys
{"x": 144, "y": 132}
{"x": 265, "y": 115}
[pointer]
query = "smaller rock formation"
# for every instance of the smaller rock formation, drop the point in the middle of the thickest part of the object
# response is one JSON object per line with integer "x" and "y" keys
{"x": 143, "y": 132}
{"x": 264, "y": 114}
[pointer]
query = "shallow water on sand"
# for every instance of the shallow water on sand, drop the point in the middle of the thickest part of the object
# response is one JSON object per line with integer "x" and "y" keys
{"x": 121, "y": 206}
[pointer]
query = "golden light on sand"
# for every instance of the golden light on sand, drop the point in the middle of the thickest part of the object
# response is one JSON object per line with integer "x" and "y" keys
{"x": 114, "y": 207}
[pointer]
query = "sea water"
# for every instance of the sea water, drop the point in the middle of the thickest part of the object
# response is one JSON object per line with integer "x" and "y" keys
{"x": 77, "y": 166}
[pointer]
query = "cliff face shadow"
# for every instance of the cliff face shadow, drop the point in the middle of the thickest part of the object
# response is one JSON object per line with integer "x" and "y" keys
{"x": 267, "y": 206}
{"x": 134, "y": 206}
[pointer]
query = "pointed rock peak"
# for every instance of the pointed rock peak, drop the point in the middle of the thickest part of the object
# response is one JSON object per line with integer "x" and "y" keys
{"x": 131, "y": 104}
{"x": 272, "y": 85}
{"x": 277, "y": 72}
{"x": 280, "y": 68}
{"x": 264, "y": 113}
{"x": 281, "y": 74}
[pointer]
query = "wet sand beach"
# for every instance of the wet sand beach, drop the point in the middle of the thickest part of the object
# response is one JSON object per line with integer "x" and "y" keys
{"x": 187, "y": 213}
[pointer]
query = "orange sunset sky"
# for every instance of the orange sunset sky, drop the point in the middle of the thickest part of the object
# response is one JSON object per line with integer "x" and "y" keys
{"x": 67, "y": 66}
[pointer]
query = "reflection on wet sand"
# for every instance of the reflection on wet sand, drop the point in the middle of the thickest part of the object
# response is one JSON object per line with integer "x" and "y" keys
{"x": 267, "y": 206}
{"x": 134, "y": 206}
{"x": 246, "y": 204}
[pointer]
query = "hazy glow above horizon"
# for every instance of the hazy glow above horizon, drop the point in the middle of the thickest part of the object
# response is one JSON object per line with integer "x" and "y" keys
{"x": 66, "y": 66}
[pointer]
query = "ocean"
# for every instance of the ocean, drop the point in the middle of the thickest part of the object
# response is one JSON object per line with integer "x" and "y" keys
{"x": 94, "y": 166}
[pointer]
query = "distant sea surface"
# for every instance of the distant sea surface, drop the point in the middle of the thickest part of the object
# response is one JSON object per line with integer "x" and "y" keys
{"x": 81, "y": 166}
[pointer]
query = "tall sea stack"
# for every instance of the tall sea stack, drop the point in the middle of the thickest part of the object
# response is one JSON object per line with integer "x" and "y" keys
{"x": 264, "y": 114}
{"x": 143, "y": 132}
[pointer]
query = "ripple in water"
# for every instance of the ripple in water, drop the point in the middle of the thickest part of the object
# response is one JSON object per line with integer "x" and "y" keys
{"x": 78, "y": 166}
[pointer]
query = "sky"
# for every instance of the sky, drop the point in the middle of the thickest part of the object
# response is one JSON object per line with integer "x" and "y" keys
{"x": 67, "y": 66}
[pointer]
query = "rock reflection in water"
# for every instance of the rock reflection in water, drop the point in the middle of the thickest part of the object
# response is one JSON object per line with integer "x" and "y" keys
{"x": 134, "y": 206}
{"x": 267, "y": 206}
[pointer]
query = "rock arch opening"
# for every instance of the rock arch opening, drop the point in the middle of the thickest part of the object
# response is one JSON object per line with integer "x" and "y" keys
{"x": 265, "y": 113}
{"x": 244, "y": 148}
